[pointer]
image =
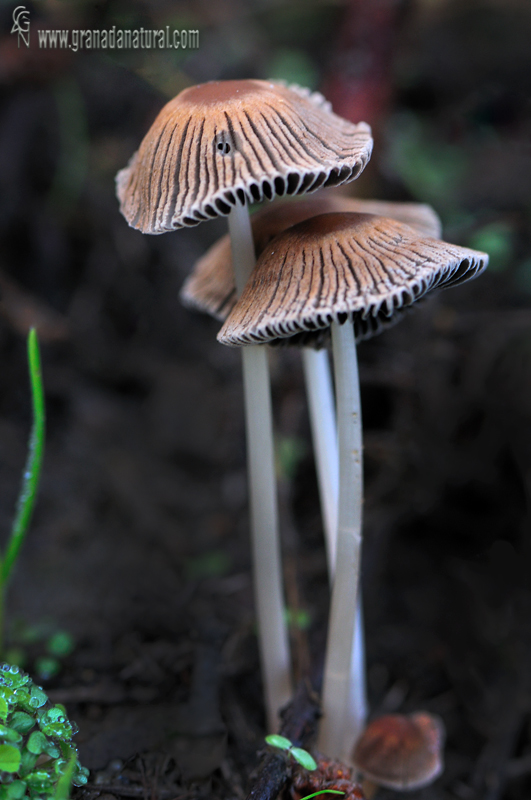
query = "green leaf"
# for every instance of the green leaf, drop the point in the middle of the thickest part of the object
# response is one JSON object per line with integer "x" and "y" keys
{"x": 81, "y": 775}
{"x": 3, "y": 708}
{"x": 15, "y": 676}
{"x": 54, "y": 723}
{"x": 59, "y": 764}
{"x": 22, "y": 699}
{"x": 21, "y": 722}
{"x": 304, "y": 758}
{"x": 38, "y": 697}
{"x": 9, "y": 758}
{"x": 278, "y": 741}
{"x": 16, "y": 790}
{"x": 40, "y": 781}
{"x": 37, "y": 743}
{"x": 7, "y": 733}
{"x": 10, "y": 697}
{"x": 52, "y": 750}
{"x": 27, "y": 763}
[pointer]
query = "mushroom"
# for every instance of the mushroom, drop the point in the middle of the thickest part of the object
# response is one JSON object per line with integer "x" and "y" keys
{"x": 353, "y": 274}
{"x": 401, "y": 752}
{"x": 212, "y": 150}
{"x": 210, "y": 288}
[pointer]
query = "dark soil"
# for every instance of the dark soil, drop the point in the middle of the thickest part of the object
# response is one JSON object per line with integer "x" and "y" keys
{"x": 139, "y": 544}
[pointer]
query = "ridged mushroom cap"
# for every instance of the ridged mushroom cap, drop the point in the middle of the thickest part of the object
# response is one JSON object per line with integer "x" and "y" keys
{"x": 401, "y": 752}
{"x": 225, "y": 142}
{"x": 338, "y": 266}
{"x": 211, "y": 287}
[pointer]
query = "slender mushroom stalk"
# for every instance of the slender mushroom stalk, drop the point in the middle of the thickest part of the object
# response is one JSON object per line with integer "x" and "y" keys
{"x": 325, "y": 438}
{"x": 272, "y": 633}
{"x": 337, "y": 674}
{"x": 322, "y": 413}
{"x": 354, "y": 273}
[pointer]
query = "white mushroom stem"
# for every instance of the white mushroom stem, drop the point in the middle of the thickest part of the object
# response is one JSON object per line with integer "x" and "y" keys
{"x": 323, "y": 423}
{"x": 321, "y": 405}
{"x": 336, "y": 702}
{"x": 269, "y": 594}
{"x": 358, "y": 707}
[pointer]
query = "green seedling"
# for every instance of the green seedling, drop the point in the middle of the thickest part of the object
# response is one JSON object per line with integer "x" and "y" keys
{"x": 301, "y": 756}
{"x": 322, "y": 791}
{"x": 30, "y": 480}
{"x": 37, "y": 756}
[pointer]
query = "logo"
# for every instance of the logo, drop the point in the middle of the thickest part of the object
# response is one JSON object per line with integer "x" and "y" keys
{"x": 21, "y": 24}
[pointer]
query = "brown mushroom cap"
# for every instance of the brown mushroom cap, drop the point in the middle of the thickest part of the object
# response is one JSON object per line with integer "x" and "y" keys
{"x": 227, "y": 141}
{"x": 211, "y": 288}
{"x": 401, "y": 752}
{"x": 338, "y": 266}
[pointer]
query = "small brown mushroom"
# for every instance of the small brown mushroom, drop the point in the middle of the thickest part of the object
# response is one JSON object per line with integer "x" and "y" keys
{"x": 210, "y": 287}
{"x": 342, "y": 266}
{"x": 225, "y": 143}
{"x": 401, "y": 752}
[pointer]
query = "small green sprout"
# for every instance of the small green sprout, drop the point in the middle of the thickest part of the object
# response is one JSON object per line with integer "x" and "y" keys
{"x": 30, "y": 480}
{"x": 301, "y": 756}
{"x": 322, "y": 791}
{"x": 37, "y": 757}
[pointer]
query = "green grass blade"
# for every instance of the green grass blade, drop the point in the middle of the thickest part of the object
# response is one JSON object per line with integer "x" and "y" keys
{"x": 64, "y": 784}
{"x": 32, "y": 471}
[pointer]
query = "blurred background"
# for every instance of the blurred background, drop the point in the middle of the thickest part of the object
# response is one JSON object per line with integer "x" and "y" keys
{"x": 139, "y": 548}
